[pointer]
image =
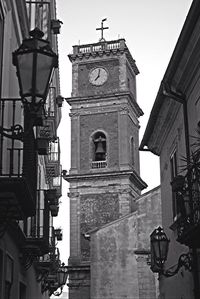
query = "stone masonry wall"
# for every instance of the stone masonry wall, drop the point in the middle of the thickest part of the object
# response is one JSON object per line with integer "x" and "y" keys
{"x": 113, "y": 264}
{"x": 96, "y": 210}
{"x": 119, "y": 253}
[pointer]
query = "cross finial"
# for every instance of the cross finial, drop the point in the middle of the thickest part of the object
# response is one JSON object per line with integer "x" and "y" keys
{"x": 102, "y": 39}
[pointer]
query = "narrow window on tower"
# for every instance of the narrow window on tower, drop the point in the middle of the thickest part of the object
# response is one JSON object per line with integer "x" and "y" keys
{"x": 99, "y": 150}
{"x": 132, "y": 151}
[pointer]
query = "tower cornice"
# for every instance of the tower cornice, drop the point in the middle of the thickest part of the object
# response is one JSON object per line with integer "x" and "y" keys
{"x": 131, "y": 174}
{"x": 107, "y": 96}
{"x": 100, "y": 49}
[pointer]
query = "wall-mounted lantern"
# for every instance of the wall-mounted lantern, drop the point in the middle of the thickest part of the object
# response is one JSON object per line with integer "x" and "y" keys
{"x": 159, "y": 251}
{"x": 62, "y": 274}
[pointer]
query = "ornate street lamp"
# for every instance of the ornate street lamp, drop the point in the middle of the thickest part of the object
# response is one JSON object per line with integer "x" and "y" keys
{"x": 159, "y": 251}
{"x": 61, "y": 275}
{"x": 34, "y": 61}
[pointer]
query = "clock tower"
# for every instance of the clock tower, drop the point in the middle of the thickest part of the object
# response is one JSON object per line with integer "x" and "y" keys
{"x": 104, "y": 176}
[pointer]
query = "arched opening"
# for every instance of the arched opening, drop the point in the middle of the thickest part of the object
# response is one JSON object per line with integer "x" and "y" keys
{"x": 99, "y": 150}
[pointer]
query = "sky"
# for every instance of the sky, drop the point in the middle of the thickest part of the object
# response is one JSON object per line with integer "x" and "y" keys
{"x": 151, "y": 29}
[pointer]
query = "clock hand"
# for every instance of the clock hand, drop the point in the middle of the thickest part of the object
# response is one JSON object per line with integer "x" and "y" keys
{"x": 97, "y": 75}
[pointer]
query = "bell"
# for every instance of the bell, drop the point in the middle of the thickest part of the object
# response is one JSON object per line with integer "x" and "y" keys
{"x": 99, "y": 147}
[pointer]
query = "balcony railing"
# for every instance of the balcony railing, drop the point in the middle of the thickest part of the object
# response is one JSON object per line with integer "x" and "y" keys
{"x": 50, "y": 261}
{"x": 101, "y": 46}
{"x": 18, "y": 160}
{"x": 37, "y": 228}
{"x": 98, "y": 164}
{"x": 51, "y": 102}
{"x": 52, "y": 116}
{"x": 53, "y": 160}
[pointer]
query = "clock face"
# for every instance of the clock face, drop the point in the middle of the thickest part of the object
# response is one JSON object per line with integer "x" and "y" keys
{"x": 98, "y": 76}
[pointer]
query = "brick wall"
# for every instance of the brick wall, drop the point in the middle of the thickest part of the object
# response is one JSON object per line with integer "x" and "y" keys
{"x": 96, "y": 210}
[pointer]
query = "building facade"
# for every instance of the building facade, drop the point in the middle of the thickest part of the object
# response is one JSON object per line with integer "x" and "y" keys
{"x": 104, "y": 176}
{"x": 120, "y": 253}
{"x": 173, "y": 134}
{"x": 30, "y": 170}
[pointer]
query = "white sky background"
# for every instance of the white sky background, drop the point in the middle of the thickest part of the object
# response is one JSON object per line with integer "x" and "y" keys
{"x": 151, "y": 29}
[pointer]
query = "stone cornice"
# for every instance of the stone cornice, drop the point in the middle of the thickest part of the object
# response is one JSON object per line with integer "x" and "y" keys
{"x": 79, "y": 267}
{"x": 131, "y": 174}
{"x": 107, "y": 96}
{"x": 103, "y": 49}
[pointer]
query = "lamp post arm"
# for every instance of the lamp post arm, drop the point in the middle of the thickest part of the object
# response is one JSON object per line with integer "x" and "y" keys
{"x": 57, "y": 293}
{"x": 17, "y": 132}
{"x": 185, "y": 260}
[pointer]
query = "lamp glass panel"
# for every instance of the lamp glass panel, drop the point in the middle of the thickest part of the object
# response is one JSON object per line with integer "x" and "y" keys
{"x": 25, "y": 67}
{"x": 156, "y": 249}
{"x": 60, "y": 277}
{"x": 163, "y": 249}
{"x": 43, "y": 73}
{"x": 153, "y": 258}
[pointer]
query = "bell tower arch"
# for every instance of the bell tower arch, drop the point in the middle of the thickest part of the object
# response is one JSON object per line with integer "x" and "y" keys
{"x": 104, "y": 176}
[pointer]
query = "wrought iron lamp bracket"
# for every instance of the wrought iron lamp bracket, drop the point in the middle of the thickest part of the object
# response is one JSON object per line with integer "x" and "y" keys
{"x": 185, "y": 260}
{"x": 57, "y": 293}
{"x": 17, "y": 132}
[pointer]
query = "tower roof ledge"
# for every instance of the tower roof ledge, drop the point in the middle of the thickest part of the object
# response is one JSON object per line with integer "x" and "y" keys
{"x": 132, "y": 174}
{"x": 102, "y": 48}
{"x": 107, "y": 96}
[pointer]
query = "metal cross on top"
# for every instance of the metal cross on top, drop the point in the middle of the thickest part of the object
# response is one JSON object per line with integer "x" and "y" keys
{"x": 102, "y": 39}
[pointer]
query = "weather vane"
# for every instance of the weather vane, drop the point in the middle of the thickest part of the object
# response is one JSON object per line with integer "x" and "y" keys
{"x": 102, "y": 39}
